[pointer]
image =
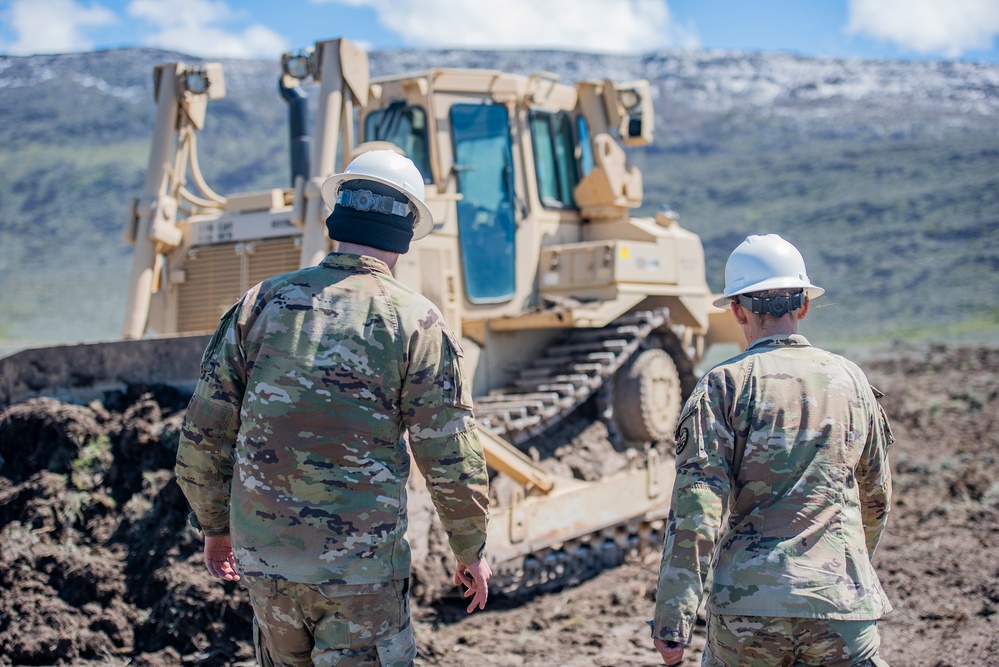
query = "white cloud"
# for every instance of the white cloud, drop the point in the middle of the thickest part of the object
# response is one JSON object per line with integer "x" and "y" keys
{"x": 198, "y": 27}
{"x": 947, "y": 27}
{"x": 607, "y": 26}
{"x": 54, "y": 26}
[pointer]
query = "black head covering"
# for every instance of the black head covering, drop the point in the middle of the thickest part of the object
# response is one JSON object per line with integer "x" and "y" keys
{"x": 371, "y": 228}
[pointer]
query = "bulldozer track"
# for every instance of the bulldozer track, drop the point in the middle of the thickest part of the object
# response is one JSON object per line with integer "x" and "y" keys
{"x": 567, "y": 374}
{"x": 577, "y": 560}
{"x": 564, "y": 377}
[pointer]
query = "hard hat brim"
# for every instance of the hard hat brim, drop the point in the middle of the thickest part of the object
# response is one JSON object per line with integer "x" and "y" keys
{"x": 811, "y": 291}
{"x": 424, "y": 220}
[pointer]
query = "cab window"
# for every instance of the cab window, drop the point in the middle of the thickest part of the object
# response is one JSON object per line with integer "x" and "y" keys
{"x": 554, "y": 158}
{"x": 406, "y": 127}
{"x": 585, "y": 147}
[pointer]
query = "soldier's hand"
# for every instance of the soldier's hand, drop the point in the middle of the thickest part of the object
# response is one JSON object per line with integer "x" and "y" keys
{"x": 475, "y": 578}
{"x": 219, "y": 559}
{"x": 672, "y": 652}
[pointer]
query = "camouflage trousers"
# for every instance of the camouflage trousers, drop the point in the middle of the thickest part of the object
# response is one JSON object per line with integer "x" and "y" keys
{"x": 761, "y": 641}
{"x": 331, "y": 625}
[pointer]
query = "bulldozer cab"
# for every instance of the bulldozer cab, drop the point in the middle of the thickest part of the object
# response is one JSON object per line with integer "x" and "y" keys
{"x": 502, "y": 156}
{"x": 465, "y": 152}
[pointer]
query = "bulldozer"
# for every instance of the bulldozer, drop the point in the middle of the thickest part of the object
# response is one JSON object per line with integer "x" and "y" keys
{"x": 565, "y": 303}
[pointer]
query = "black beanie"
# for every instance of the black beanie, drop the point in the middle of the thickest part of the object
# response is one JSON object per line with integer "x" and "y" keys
{"x": 377, "y": 230}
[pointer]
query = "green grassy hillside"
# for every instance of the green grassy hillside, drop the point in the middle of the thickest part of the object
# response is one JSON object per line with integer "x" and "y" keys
{"x": 884, "y": 174}
{"x": 903, "y": 233}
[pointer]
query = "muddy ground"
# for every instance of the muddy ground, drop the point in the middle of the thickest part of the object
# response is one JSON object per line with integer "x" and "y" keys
{"x": 99, "y": 567}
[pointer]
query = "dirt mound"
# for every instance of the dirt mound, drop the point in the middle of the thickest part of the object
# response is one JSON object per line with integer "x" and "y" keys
{"x": 97, "y": 560}
{"x": 98, "y": 564}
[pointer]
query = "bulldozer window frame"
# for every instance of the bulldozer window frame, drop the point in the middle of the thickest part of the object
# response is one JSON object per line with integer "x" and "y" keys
{"x": 556, "y": 170}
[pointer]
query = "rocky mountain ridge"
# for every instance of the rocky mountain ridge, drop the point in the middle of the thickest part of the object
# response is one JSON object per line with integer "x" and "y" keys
{"x": 712, "y": 82}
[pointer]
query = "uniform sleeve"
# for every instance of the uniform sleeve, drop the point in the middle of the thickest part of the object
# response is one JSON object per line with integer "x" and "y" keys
{"x": 874, "y": 476}
{"x": 700, "y": 496}
{"x": 437, "y": 410}
{"x": 208, "y": 433}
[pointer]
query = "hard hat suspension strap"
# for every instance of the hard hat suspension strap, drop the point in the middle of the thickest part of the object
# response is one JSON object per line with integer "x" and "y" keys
{"x": 778, "y": 306}
{"x": 366, "y": 200}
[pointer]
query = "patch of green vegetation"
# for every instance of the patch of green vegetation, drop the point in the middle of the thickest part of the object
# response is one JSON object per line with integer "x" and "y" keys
{"x": 982, "y": 330}
{"x": 88, "y": 469}
{"x": 32, "y": 156}
{"x": 895, "y": 230}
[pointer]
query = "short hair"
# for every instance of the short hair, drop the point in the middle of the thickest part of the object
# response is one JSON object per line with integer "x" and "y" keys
{"x": 767, "y": 293}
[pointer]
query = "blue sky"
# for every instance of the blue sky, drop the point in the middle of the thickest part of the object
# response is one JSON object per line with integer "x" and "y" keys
{"x": 895, "y": 29}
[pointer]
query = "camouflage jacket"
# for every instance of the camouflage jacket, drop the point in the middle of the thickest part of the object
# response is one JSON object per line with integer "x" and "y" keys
{"x": 293, "y": 442}
{"x": 790, "y": 444}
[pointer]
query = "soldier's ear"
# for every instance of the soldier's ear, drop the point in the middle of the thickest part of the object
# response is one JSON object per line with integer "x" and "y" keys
{"x": 741, "y": 314}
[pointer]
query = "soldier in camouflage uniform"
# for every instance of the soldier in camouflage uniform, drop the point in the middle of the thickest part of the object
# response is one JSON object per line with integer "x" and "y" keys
{"x": 782, "y": 489}
{"x": 293, "y": 453}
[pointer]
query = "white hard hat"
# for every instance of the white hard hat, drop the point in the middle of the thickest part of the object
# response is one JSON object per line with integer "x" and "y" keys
{"x": 388, "y": 168}
{"x": 764, "y": 263}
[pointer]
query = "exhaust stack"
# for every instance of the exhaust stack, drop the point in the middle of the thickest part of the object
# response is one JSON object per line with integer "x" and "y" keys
{"x": 298, "y": 124}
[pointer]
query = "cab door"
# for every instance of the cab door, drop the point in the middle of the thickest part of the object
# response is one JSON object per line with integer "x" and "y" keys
{"x": 483, "y": 166}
